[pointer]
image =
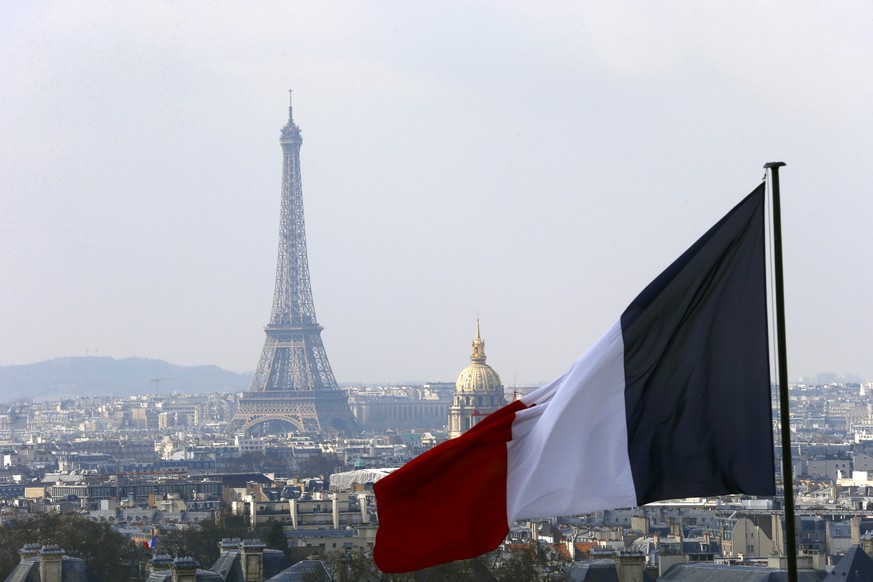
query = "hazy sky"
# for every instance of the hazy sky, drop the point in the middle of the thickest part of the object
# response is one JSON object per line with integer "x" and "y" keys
{"x": 537, "y": 163}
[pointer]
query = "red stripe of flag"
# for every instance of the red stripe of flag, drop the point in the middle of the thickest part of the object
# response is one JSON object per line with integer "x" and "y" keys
{"x": 463, "y": 476}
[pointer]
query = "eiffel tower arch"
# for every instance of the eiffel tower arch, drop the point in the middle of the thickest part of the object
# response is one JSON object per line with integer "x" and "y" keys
{"x": 293, "y": 385}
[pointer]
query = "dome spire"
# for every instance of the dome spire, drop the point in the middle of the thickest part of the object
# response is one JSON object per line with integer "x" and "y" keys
{"x": 478, "y": 355}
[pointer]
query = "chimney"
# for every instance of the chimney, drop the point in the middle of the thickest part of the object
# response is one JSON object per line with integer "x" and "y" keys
{"x": 855, "y": 530}
{"x": 51, "y": 564}
{"x": 630, "y": 566}
{"x": 227, "y": 544}
{"x": 253, "y": 512}
{"x": 362, "y": 503}
{"x": 29, "y": 551}
{"x": 160, "y": 562}
{"x": 185, "y": 569}
{"x": 641, "y": 523}
{"x": 777, "y": 535}
{"x": 251, "y": 558}
{"x": 334, "y": 509}
{"x": 292, "y": 510}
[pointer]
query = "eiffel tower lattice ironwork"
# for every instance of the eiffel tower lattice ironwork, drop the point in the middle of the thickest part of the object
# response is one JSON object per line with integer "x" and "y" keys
{"x": 294, "y": 383}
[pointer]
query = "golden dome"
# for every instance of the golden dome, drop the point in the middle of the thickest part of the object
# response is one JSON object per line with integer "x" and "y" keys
{"x": 478, "y": 376}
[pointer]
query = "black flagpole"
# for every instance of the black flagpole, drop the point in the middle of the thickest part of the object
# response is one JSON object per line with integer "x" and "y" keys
{"x": 779, "y": 289}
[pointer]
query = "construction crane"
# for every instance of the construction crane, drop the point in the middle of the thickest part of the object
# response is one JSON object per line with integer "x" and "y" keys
{"x": 157, "y": 383}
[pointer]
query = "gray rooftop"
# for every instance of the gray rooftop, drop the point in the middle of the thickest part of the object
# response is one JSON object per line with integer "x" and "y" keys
{"x": 72, "y": 570}
{"x": 167, "y": 576}
{"x": 855, "y": 566}
{"x": 303, "y": 570}
{"x": 724, "y": 573}
{"x": 228, "y": 566}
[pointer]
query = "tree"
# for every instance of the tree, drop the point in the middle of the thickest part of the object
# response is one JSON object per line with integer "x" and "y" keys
{"x": 272, "y": 535}
{"x": 108, "y": 555}
{"x": 460, "y": 570}
{"x": 319, "y": 464}
{"x": 200, "y": 541}
{"x": 516, "y": 564}
{"x": 354, "y": 566}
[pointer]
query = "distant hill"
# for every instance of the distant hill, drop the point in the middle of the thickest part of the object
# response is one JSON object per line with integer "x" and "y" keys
{"x": 105, "y": 376}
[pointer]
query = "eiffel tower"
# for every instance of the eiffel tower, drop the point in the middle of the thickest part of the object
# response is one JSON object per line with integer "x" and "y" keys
{"x": 293, "y": 384}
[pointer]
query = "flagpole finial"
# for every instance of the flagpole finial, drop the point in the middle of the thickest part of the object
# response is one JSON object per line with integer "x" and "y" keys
{"x": 771, "y": 165}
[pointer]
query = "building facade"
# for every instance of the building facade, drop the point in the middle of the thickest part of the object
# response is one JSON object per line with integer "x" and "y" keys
{"x": 478, "y": 391}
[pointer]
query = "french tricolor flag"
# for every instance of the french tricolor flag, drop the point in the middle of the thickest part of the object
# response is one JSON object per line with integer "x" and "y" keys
{"x": 150, "y": 544}
{"x": 672, "y": 401}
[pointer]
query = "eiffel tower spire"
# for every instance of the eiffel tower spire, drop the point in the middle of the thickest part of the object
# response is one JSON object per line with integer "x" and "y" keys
{"x": 294, "y": 383}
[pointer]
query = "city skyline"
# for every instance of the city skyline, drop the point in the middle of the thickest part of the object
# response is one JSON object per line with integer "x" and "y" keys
{"x": 535, "y": 165}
